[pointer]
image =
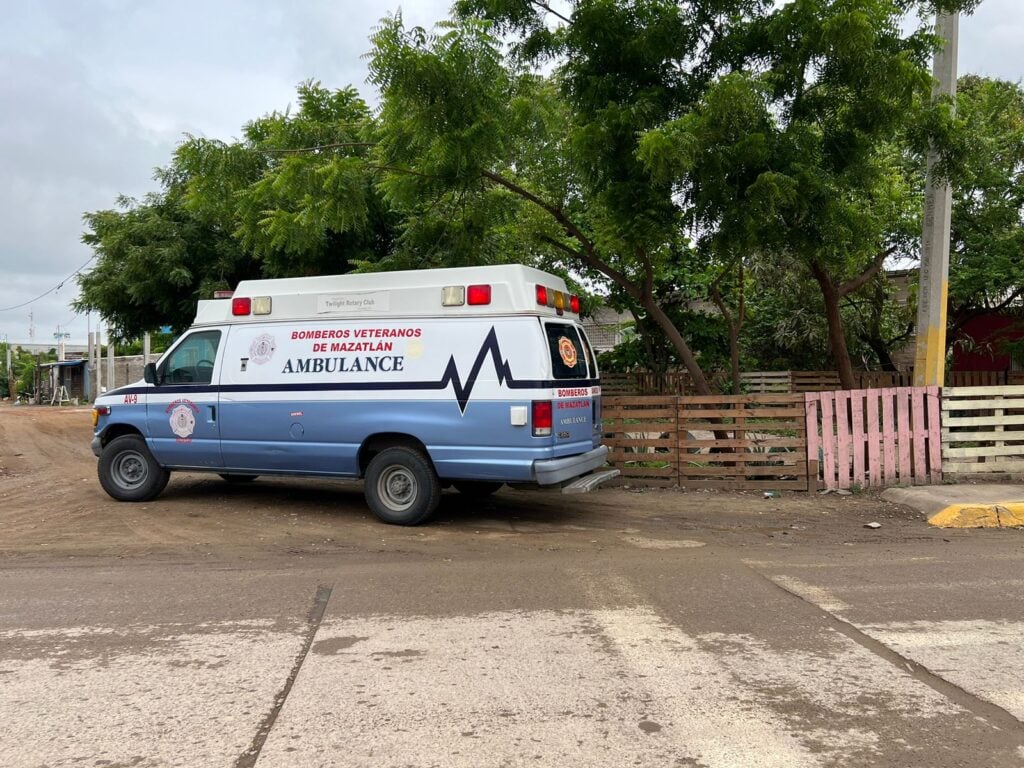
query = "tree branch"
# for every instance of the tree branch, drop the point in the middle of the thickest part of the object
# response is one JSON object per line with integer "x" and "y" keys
{"x": 550, "y": 10}
{"x": 965, "y": 317}
{"x": 587, "y": 254}
{"x": 318, "y": 148}
{"x": 851, "y": 286}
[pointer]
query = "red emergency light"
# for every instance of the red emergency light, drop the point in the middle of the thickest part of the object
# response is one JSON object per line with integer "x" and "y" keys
{"x": 478, "y": 294}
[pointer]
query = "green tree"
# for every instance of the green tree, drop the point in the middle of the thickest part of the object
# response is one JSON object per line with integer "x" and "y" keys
{"x": 986, "y": 270}
{"x": 155, "y": 261}
{"x": 294, "y": 197}
{"x": 460, "y": 120}
{"x": 796, "y": 151}
{"x": 762, "y": 130}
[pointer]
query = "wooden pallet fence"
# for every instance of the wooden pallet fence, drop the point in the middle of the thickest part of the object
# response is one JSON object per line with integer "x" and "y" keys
{"x": 815, "y": 381}
{"x": 642, "y": 436}
{"x": 983, "y": 432}
{"x": 874, "y": 437}
{"x": 742, "y": 442}
{"x": 977, "y": 378}
{"x": 637, "y": 383}
{"x": 883, "y": 379}
{"x": 766, "y": 382}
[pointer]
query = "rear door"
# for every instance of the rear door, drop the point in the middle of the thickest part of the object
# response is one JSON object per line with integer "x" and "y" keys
{"x": 572, "y": 406}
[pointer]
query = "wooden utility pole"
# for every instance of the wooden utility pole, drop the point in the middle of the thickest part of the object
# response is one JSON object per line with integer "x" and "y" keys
{"x": 933, "y": 289}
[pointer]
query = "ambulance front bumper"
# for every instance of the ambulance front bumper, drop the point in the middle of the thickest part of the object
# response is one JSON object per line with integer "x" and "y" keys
{"x": 554, "y": 471}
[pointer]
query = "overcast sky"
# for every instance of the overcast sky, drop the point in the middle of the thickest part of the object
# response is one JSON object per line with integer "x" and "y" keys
{"x": 94, "y": 95}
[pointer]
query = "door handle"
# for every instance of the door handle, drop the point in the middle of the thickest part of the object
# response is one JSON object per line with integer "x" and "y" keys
{"x": 213, "y": 413}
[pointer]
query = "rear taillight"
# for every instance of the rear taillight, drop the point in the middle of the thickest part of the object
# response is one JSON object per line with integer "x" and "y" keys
{"x": 541, "y": 418}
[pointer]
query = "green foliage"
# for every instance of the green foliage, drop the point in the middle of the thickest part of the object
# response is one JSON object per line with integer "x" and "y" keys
{"x": 23, "y": 367}
{"x": 294, "y": 197}
{"x": 986, "y": 264}
{"x": 650, "y": 350}
{"x": 747, "y": 151}
{"x": 158, "y": 343}
{"x": 156, "y": 260}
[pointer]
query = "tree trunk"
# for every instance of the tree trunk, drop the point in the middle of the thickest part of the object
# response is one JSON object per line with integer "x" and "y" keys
{"x": 836, "y": 334}
{"x": 735, "y": 325}
{"x": 588, "y": 255}
{"x": 873, "y": 337}
{"x": 734, "y": 357}
{"x": 700, "y": 384}
{"x": 878, "y": 346}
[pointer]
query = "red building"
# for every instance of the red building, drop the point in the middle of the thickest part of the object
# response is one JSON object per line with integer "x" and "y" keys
{"x": 990, "y": 342}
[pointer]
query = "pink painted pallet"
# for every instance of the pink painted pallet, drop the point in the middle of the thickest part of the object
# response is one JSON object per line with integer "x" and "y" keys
{"x": 874, "y": 437}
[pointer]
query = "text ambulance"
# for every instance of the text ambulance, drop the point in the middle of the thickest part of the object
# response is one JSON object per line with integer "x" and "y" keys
{"x": 470, "y": 377}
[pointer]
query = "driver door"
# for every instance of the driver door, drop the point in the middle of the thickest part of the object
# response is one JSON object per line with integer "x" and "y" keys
{"x": 181, "y": 410}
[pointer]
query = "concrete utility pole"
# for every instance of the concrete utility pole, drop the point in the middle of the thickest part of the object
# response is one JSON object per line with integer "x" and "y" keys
{"x": 12, "y": 386}
{"x": 97, "y": 364}
{"x": 930, "y": 353}
{"x": 110, "y": 359}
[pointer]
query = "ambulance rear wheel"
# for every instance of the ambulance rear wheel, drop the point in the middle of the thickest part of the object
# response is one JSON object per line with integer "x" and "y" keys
{"x": 128, "y": 471}
{"x": 476, "y": 489}
{"x": 401, "y": 486}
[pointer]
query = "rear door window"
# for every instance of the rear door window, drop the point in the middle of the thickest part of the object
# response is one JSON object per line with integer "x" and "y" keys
{"x": 568, "y": 354}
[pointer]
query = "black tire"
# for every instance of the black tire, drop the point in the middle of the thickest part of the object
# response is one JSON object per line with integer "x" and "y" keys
{"x": 401, "y": 487}
{"x": 477, "y": 489}
{"x": 238, "y": 478}
{"x": 128, "y": 471}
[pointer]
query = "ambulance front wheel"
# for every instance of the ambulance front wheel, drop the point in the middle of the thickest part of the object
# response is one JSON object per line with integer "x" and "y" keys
{"x": 128, "y": 471}
{"x": 401, "y": 486}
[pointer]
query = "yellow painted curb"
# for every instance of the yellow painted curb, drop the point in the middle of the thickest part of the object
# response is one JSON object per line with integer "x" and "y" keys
{"x": 1004, "y": 514}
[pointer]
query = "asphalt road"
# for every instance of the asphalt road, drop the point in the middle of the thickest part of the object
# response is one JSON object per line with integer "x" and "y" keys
{"x": 664, "y": 653}
{"x": 632, "y": 629}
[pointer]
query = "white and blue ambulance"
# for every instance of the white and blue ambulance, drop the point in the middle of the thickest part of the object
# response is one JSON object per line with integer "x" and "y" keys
{"x": 413, "y": 381}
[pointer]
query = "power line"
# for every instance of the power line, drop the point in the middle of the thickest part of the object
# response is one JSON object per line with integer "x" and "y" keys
{"x": 57, "y": 287}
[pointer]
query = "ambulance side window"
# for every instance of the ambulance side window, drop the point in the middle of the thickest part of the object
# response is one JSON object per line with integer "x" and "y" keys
{"x": 568, "y": 358}
{"x": 192, "y": 361}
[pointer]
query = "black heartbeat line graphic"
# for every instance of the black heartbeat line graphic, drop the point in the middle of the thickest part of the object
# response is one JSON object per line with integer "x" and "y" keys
{"x": 501, "y": 368}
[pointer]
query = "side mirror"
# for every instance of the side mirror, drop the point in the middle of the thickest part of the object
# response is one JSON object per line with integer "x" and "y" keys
{"x": 149, "y": 373}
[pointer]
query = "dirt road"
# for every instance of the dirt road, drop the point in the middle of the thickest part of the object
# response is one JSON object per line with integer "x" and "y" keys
{"x": 52, "y": 503}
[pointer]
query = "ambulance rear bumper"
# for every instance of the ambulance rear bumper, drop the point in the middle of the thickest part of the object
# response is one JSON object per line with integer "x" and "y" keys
{"x": 554, "y": 471}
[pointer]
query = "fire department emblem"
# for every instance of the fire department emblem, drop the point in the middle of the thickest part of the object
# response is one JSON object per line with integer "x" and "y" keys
{"x": 183, "y": 421}
{"x": 568, "y": 352}
{"x": 262, "y": 348}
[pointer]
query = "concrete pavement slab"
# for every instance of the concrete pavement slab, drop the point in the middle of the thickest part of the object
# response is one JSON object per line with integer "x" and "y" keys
{"x": 168, "y": 695}
{"x": 596, "y": 688}
{"x": 977, "y": 646}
